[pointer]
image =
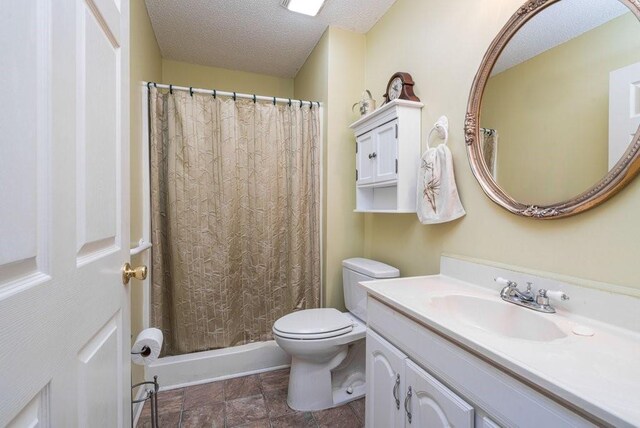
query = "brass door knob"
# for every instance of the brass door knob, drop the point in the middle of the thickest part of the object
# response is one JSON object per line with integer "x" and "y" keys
{"x": 138, "y": 273}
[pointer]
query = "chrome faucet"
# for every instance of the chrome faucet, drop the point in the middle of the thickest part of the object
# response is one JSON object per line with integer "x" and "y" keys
{"x": 540, "y": 302}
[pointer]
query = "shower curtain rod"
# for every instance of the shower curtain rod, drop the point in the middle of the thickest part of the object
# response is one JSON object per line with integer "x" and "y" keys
{"x": 233, "y": 95}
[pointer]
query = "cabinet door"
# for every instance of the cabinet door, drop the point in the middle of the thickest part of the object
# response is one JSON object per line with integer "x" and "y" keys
{"x": 385, "y": 383}
{"x": 431, "y": 404}
{"x": 386, "y": 152}
{"x": 364, "y": 158}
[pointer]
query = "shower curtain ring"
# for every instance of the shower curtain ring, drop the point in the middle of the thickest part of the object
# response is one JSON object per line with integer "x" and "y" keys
{"x": 300, "y": 103}
{"x": 214, "y": 94}
{"x": 274, "y": 100}
{"x": 289, "y": 102}
{"x": 310, "y": 105}
{"x": 171, "y": 89}
{"x": 234, "y": 96}
{"x": 148, "y": 85}
{"x": 191, "y": 90}
{"x": 155, "y": 85}
{"x": 254, "y": 98}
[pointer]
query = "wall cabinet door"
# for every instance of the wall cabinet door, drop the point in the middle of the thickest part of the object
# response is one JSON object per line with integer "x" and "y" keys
{"x": 385, "y": 383}
{"x": 365, "y": 162}
{"x": 386, "y": 165}
{"x": 431, "y": 404}
{"x": 377, "y": 155}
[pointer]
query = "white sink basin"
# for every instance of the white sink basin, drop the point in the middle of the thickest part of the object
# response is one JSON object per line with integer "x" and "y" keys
{"x": 498, "y": 317}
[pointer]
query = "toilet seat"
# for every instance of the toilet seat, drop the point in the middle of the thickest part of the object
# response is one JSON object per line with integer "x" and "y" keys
{"x": 312, "y": 324}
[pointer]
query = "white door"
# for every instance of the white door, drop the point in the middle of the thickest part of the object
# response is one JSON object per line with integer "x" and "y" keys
{"x": 364, "y": 158}
{"x": 624, "y": 109}
{"x": 386, "y": 152}
{"x": 431, "y": 404}
{"x": 385, "y": 383}
{"x": 64, "y": 213}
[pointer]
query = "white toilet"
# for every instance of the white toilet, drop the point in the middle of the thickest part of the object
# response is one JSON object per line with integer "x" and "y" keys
{"x": 327, "y": 346}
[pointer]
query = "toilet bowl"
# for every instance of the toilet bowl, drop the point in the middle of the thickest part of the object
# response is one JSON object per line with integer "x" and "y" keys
{"x": 327, "y": 347}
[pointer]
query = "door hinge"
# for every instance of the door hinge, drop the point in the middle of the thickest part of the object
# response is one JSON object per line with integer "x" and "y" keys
{"x": 396, "y": 131}
{"x": 396, "y": 166}
{"x": 356, "y": 175}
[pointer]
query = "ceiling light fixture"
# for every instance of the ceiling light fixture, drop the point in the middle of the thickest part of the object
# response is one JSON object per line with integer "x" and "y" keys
{"x": 306, "y": 7}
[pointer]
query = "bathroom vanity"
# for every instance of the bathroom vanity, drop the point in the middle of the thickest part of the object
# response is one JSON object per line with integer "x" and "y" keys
{"x": 446, "y": 350}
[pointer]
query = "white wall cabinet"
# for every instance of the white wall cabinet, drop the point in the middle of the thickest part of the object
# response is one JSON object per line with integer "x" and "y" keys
{"x": 401, "y": 394}
{"x": 387, "y": 158}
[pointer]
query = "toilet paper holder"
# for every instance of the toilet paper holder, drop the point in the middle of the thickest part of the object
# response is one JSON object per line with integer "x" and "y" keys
{"x": 152, "y": 396}
{"x": 145, "y": 351}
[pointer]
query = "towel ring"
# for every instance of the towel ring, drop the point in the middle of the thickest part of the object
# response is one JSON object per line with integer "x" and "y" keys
{"x": 441, "y": 127}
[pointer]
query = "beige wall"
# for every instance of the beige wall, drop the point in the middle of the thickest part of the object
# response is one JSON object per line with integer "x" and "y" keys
{"x": 201, "y": 76}
{"x": 544, "y": 105}
{"x": 334, "y": 73}
{"x": 441, "y": 43}
{"x": 145, "y": 65}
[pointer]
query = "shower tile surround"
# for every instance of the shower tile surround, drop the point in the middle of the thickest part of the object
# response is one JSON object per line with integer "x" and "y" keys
{"x": 249, "y": 401}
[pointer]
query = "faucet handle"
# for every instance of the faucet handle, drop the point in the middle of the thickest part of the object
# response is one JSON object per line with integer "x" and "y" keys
{"x": 557, "y": 295}
{"x": 553, "y": 294}
{"x": 505, "y": 282}
{"x": 529, "y": 284}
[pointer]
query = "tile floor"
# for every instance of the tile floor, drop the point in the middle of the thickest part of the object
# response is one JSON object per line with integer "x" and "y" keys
{"x": 252, "y": 401}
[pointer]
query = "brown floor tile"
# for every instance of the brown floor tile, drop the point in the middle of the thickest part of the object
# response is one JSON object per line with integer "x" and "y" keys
{"x": 244, "y": 410}
{"x": 165, "y": 420}
{"x": 294, "y": 420}
{"x": 338, "y": 417}
{"x": 262, "y": 423}
{"x": 210, "y": 416}
{"x": 168, "y": 402}
{"x": 277, "y": 379}
{"x": 358, "y": 408}
{"x": 203, "y": 395}
{"x": 276, "y": 401}
{"x": 240, "y": 387}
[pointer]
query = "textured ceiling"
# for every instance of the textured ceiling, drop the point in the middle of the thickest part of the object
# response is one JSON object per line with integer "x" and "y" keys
{"x": 259, "y": 36}
{"x": 555, "y": 25}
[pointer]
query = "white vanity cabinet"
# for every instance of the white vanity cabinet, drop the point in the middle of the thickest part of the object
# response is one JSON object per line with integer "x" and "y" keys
{"x": 387, "y": 158}
{"x": 443, "y": 385}
{"x": 401, "y": 394}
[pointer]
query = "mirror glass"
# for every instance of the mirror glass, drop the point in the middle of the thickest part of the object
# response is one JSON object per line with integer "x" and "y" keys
{"x": 563, "y": 100}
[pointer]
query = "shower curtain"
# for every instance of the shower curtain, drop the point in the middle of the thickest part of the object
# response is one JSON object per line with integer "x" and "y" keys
{"x": 235, "y": 201}
{"x": 489, "y": 146}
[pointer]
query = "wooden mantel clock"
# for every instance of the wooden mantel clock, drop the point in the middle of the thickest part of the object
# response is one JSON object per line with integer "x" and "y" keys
{"x": 400, "y": 86}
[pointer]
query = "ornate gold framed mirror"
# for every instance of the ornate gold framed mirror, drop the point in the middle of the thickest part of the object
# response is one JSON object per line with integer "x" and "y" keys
{"x": 552, "y": 120}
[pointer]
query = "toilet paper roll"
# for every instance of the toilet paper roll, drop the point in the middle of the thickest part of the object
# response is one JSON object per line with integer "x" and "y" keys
{"x": 147, "y": 346}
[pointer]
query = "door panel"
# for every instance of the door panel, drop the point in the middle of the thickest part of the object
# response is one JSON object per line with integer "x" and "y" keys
{"x": 98, "y": 131}
{"x": 24, "y": 120}
{"x": 64, "y": 213}
{"x": 385, "y": 376}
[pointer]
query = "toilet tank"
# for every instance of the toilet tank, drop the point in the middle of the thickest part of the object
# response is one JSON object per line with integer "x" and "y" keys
{"x": 358, "y": 269}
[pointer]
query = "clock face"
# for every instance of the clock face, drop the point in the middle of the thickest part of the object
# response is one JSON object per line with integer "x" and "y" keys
{"x": 394, "y": 89}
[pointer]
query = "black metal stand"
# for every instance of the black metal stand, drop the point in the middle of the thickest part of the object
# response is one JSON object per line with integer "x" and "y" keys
{"x": 152, "y": 395}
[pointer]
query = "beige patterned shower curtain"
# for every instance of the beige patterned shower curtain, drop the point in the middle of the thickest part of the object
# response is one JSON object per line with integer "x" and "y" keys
{"x": 235, "y": 198}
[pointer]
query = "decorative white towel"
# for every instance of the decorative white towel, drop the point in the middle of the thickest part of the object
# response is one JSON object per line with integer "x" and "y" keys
{"x": 437, "y": 200}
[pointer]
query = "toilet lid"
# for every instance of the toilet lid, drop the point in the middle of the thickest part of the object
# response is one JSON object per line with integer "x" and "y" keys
{"x": 325, "y": 322}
